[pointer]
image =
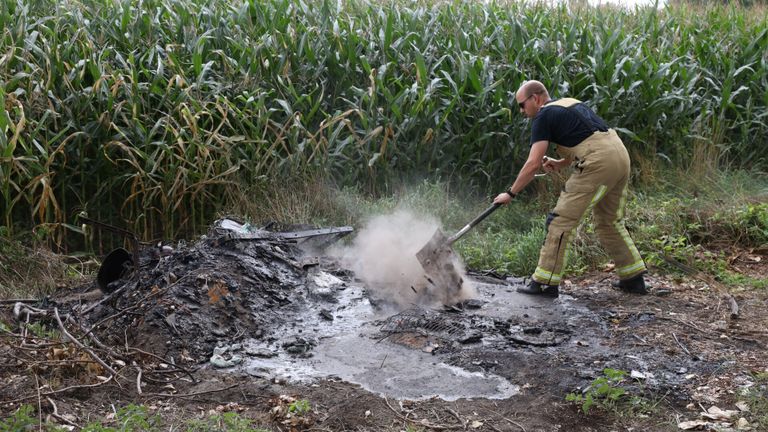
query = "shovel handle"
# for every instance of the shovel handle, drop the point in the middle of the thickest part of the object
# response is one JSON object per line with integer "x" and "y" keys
{"x": 474, "y": 222}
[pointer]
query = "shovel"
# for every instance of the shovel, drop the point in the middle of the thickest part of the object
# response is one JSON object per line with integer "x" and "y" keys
{"x": 436, "y": 256}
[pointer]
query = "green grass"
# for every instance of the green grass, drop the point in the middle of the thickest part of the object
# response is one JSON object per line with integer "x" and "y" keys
{"x": 29, "y": 271}
{"x": 696, "y": 222}
{"x": 133, "y": 418}
{"x": 757, "y": 398}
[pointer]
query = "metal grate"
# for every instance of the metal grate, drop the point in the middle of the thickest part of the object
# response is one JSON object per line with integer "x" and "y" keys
{"x": 423, "y": 321}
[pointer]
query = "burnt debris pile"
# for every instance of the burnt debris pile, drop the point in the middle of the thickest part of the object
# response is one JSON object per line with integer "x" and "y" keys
{"x": 236, "y": 282}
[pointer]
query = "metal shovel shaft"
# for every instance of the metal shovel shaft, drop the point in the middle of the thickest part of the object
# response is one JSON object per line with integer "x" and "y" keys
{"x": 436, "y": 257}
{"x": 471, "y": 224}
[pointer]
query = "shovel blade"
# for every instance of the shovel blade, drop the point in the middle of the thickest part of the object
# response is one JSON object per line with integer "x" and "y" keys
{"x": 437, "y": 260}
{"x": 431, "y": 253}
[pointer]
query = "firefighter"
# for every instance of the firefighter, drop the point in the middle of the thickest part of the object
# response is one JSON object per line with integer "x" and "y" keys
{"x": 598, "y": 182}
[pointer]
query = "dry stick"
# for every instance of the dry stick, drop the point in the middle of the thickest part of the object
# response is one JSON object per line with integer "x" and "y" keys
{"x": 92, "y": 337}
{"x": 119, "y": 290}
{"x": 186, "y": 371}
{"x": 107, "y": 298}
{"x": 719, "y": 287}
{"x": 423, "y": 423}
{"x": 24, "y": 330}
{"x": 50, "y": 342}
{"x": 711, "y": 336}
{"x": 681, "y": 345}
{"x": 706, "y": 333}
{"x": 458, "y": 417}
{"x": 61, "y": 390}
{"x": 9, "y": 301}
{"x": 59, "y": 417}
{"x": 20, "y": 307}
{"x": 138, "y": 379}
{"x": 168, "y": 395}
{"x": 78, "y": 343}
{"x": 734, "y": 306}
{"x": 39, "y": 403}
{"x": 515, "y": 423}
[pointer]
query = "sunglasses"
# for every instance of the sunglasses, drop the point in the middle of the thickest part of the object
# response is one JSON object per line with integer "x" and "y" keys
{"x": 522, "y": 104}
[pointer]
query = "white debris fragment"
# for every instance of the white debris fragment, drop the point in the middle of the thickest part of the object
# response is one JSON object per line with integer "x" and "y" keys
{"x": 743, "y": 424}
{"x": 640, "y": 375}
{"x": 326, "y": 280}
{"x": 742, "y": 406}
{"x": 692, "y": 424}
{"x": 715, "y": 413}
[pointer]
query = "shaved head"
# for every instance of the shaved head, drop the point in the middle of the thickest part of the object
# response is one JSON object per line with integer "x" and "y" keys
{"x": 532, "y": 87}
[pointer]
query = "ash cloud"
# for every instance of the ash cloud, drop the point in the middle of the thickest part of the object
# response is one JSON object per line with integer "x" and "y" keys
{"x": 383, "y": 256}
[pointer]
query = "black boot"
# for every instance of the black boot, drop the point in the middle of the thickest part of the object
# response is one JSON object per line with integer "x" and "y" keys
{"x": 537, "y": 288}
{"x": 633, "y": 285}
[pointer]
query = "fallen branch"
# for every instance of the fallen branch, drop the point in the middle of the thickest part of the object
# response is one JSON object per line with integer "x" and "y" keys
{"x": 733, "y": 305}
{"x": 642, "y": 341}
{"x": 688, "y": 325}
{"x": 138, "y": 380}
{"x": 719, "y": 287}
{"x": 58, "y": 416}
{"x": 423, "y": 422}
{"x": 39, "y": 403}
{"x": 105, "y": 299}
{"x": 186, "y": 371}
{"x": 510, "y": 421}
{"x": 682, "y": 346}
{"x": 185, "y": 395}
{"x": 9, "y": 301}
{"x": 65, "y": 389}
{"x": 80, "y": 344}
{"x": 515, "y": 423}
{"x": 20, "y": 307}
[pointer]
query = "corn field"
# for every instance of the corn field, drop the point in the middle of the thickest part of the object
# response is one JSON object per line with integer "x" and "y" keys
{"x": 153, "y": 114}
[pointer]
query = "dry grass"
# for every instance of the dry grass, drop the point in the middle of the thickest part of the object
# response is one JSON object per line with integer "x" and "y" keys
{"x": 34, "y": 272}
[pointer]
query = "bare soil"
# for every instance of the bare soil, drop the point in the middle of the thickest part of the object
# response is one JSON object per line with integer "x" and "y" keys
{"x": 685, "y": 345}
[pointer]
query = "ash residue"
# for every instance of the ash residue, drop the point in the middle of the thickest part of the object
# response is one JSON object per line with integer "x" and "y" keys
{"x": 219, "y": 289}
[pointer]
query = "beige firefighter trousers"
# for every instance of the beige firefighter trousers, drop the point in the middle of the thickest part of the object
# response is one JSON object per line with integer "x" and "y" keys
{"x": 598, "y": 183}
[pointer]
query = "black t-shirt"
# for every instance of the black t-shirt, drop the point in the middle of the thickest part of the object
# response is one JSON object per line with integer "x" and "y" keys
{"x": 565, "y": 127}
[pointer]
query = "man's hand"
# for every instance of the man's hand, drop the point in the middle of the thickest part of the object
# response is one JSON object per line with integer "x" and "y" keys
{"x": 551, "y": 165}
{"x": 502, "y": 198}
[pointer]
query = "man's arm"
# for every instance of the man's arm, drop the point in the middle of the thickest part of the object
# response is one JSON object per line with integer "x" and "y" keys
{"x": 527, "y": 172}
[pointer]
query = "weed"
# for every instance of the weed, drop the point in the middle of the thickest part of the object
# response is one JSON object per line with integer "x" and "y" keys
{"x": 757, "y": 398}
{"x": 131, "y": 418}
{"x": 603, "y": 392}
{"x": 22, "y": 420}
{"x": 226, "y": 422}
{"x": 42, "y": 331}
{"x": 748, "y": 223}
{"x": 300, "y": 407}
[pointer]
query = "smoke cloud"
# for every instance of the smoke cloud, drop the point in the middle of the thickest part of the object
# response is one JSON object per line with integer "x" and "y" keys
{"x": 383, "y": 256}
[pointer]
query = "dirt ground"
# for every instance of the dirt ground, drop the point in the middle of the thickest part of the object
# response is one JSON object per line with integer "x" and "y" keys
{"x": 685, "y": 348}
